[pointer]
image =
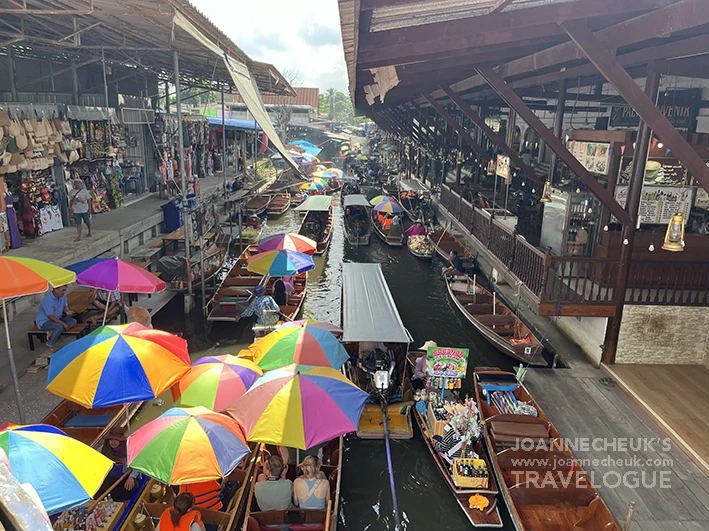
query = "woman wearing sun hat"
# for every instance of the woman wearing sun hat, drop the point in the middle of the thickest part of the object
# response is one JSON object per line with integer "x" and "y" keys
{"x": 114, "y": 447}
{"x": 419, "y": 379}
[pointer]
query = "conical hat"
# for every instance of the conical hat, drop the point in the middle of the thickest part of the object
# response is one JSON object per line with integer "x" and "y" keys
{"x": 427, "y": 344}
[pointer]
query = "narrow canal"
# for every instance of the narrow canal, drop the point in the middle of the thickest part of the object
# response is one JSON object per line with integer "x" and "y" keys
{"x": 426, "y": 310}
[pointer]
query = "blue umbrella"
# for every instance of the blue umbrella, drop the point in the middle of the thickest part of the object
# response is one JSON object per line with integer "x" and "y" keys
{"x": 80, "y": 267}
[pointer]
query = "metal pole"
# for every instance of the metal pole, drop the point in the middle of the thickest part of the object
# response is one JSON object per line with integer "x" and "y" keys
{"x": 255, "y": 149}
{"x": 201, "y": 266}
{"x": 241, "y": 229}
{"x": 13, "y": 369}
{"x": 11, "y": 71}
{"x": 167, "y": 96}
{"x": 223, "y": 137}
{"x": 183, "y": 174}
{"x": 105, "y": 95}
{"x": 558, "y": 125}
{"x": 75, "y": 83}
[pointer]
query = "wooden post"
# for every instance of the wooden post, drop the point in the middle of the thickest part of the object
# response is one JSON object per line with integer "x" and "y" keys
{"x": 11, "y": 71}
{"x": 167, "y": 96}
{"x": 223, "y": 135}
{"x": 558, "y": 126}
{"x": 75, "y": 83}
{"x": 635, "y": 187}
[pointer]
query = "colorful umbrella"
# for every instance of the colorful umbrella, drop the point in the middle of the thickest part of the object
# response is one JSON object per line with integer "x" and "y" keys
{"x": 312, "y": 187}
{"x": 26, "y": 276}
{"x": 299, "y": 407}
{"x": 283, "y": 263}
{"x": 320, "y": 181}
{"x": 318, "y": 167}
{"x": 187, "y": 445}
{"x": 215, "y": 382}
{"x": 381, "y": 199}
{"x": 118, "y": 275}
{"x": 302, "y": 345}
{"x": 64, "y": 472}
{"x": 309, "y": 159}
{"x": 118, "y": 365}
{"x": 290, "y": 242}
{"x": 388, "y": 207}
{"x": 312, "y": 323}
{"x": 80, "y": 267}
{"x": 361, "y": 157}
{"x": 332, "y": 173}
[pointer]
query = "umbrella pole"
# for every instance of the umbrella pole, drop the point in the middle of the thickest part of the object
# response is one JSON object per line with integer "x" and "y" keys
{"x": 127, "y": 421}
{"x": 108, "y": 303}
{"x": 13, "y": 369}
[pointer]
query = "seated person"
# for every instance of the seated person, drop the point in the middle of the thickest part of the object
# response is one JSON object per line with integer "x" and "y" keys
{"x": 99, "y": 298}
{"x": 395, "y": 226}
{"x": 114, "y": 447}
{"x": 293, "y": 455}
{"x": 273, "y": 493}
{"x": 263, "y": 307}
{"x": 456, "y": 265}
{"x": 54, "y": 316}
{"x": 310, "y": 491}
{"x": 419, "y": 379}
{"x": 450, "y": 444}
{"x": 181, "y": 516}
{"x": 280, "y": 294}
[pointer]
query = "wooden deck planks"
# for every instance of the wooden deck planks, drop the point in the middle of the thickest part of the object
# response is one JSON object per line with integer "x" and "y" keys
{"x": 580, "y": 406}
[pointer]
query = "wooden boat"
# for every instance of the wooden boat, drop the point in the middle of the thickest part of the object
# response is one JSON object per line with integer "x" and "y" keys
{"x": 381, "y": 325}
{"x": 444, "y": 242}
{"x": 257, "y": 205}
{"x": 495, "y": 321}
{"x": 550, "y": 491}
{"x": 318, "y": 221}
{"x": 358, "y": 224}
{"x": 322, "y": 520}
{"x": 215, "y": 253}
{"x": 393, "y": 241}
{"x": 227, "y": 519}
{"x": 490, "y": 517}
{"x": 420, "y": 247}
{"x": 279, "y": 205}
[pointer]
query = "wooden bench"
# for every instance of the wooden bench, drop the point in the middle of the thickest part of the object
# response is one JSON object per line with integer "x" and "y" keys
{"x": 78, "y": 330}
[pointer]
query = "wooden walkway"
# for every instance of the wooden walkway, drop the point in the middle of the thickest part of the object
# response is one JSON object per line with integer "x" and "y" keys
{"x": 583, "y": 403}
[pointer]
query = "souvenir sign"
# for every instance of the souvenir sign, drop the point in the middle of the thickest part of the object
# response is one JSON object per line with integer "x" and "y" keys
{"x": 503, "y": 167}
{"x": 447, "y": 362}
{"x": 659, "y": 203}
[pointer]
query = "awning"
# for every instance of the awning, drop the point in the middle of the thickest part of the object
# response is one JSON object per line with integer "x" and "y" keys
{"x": 356, "y": 200}
{"x": 309, "y": 147}
{"x": 316, "y": 203}
{"x": 368, "y": 310}
{"x": 233, "y": 123}
{"x": 245, "y": 84}
{"x": 409, "y": 185}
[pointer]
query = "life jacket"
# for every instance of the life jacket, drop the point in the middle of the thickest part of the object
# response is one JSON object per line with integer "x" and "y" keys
{"x": 206, "y": 494}
{"x": 185, "y": 522}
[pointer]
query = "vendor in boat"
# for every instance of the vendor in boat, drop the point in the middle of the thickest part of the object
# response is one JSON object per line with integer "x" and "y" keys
{"x": 114, "y": 447}
{"x": 263, "y": 307}
{"x": 395, "y": 227}
{"x": 419, "y": 379}
{"x": 417, "y": 229}
{"x": 182, "y": 516}
{"x": 456, "y": 265}
{"x": 450, "y": 443}
{"x": 279, "y": 292}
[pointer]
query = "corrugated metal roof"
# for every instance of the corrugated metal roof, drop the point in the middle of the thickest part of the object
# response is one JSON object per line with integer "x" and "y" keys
{"x": 307, "y": 96}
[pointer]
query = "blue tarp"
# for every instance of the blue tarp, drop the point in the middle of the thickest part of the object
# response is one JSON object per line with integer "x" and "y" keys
{"x": 309, "y": 148}
{"x": 233, "y": 123}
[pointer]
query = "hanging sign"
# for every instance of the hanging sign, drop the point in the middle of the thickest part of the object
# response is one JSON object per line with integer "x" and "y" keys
{"x": 680, "y": 107}
{"x": 447, "y": 362}
{"x": 503, "y": 167}
{"x": 659, "y": 203}
{"x": 702, "y": 200}
{"x": 594, "y": 156}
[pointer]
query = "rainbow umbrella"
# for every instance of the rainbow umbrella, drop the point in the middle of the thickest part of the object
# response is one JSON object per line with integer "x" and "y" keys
{"x": 318, "y": 167}
{"x": 381, "y": 199}
{"x": 332, "y": 173}
{"x": 309, "y": 159}
{"x": 64, "y": 472}
{"x": 283, "y": 263}
{"x": 361, "y": 157}
{"x": 114, "y": 274}
{"x": 313, "y": 323}
{"x": 26, "y": 276}
{"x": 215, "y": 382}
{"x": 289, "y": 242}
{"x": 320, "y": 181}
{"x": 302, "y": 345}
{"x": 299, "y": 407}
{"x": 312, "y": 187}
{"x": 118, "y": 365}
{"x": 187, "y": 445}
{"x": 388, "y": 207}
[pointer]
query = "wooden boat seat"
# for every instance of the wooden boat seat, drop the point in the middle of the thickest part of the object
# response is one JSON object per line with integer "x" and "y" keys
{"x": 479, "y": 309}
{"x": 465, "y": 298}
{"x": 515, "y": 434}
{"x": 596, "y": 519}
{"x": 89, "y": 421}
{"x": 497, "y": 320}
{"x": 545, "y": 491}
{"x": 297, "y": 519}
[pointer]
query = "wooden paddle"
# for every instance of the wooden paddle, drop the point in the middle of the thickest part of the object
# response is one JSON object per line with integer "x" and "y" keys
{"x": 443, "y": 233}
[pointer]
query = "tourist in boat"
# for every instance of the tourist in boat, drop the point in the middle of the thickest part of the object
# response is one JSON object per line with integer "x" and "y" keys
{"x": 279, "y": 292}
{"x": 181, "y": 516}
{"x": 54, "y": 316}
{"x": 114, "y": 447}
{"x": 456, "y": 264}
{"x": 395, "y": 227}
{"x": 206, "y": 494}
{"x": 273, "y": 493}
{"x": 263, "y": 307}
{"x": 311, "y": 491}
{"x": 417, "y": 229}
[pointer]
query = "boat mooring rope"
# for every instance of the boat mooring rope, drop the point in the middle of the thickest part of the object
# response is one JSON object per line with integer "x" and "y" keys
{"x": 385, "y": 413}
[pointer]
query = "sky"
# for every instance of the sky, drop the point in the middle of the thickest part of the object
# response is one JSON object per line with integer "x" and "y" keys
{"x": 295, "y": 36}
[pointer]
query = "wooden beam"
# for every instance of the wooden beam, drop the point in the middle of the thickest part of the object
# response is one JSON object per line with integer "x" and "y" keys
{"x": 499, "y": 6}
{"x": 79, "y": 31}
{"x": 71, "y": 12}
{"x": 556, "y": 145}
{"x": 494, "y": 137}
{"x": 457, "y": 127}
{"x": 605, "y": 62}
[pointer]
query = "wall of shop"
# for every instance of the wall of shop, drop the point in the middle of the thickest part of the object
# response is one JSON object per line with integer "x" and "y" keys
{"x": 587, "y": 332}
{"x": 664, "y": 335}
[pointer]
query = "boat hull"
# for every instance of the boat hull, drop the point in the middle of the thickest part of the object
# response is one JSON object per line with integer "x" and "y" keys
{"x": 392, "y": 241}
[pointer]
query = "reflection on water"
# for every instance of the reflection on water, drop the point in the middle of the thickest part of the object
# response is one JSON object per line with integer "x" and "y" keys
{"x": 421, "y": 297}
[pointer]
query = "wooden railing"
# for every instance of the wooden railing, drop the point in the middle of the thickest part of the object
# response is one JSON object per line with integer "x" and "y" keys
{"x": 502, "y": 243}
{"x": 675, "y": 283}
{"x": 580, "y": 280}
{"x": 530, "y": 265}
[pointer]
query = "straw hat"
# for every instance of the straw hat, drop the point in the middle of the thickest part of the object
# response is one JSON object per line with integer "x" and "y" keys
{"x": 117, "y": 433}
{"x": 427, "y": 344}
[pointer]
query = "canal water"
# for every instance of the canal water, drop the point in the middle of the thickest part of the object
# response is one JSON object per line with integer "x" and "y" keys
{"x": 420, "y": 294}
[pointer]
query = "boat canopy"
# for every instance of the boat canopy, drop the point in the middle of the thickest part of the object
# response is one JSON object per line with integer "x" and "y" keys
{"x": 316, "y": 203}
{"x": 368, "y": 310}
{"x": 410, "y": 185}
{"x": 356, "y": 200}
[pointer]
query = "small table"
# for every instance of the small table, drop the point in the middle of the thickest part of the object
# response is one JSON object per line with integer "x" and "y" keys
{"x": 175, "y": 237}
{"x": 78, "y": 302}
{"x": 143, "y": 265}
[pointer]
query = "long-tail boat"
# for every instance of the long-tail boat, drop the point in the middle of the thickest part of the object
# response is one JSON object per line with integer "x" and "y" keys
{"x": 543, "y": 485}
{"x": 318, "y": 221}
{"x": 444, "y": 242}
{"x": 358, "y": 225}
{"x": 279, "y": 205}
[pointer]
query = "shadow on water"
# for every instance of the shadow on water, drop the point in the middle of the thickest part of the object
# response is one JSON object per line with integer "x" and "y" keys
{"x": 426, "y": 310}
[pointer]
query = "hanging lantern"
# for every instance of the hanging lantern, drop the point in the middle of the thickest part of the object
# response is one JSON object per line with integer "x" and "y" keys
{"x": 546, "y": 192}
{"x": 674, "y": 238}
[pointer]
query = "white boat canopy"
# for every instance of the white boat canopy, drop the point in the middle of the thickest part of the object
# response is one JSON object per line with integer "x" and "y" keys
{"x": 369, "y": 313}
{"x": 410, "y": 185}
{"x": 356, "y": 200}
{"x": 315, "y": 203}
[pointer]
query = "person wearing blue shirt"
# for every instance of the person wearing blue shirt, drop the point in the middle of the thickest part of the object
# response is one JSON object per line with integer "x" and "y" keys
{"x": 54, "y": 316}
{"x": 263, "y": 306}
{"x": 456, "y": 265}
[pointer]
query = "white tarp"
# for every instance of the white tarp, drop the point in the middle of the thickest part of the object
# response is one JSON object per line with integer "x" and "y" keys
{"x": 357, "y": 200}
{"x": 410, "y": 185}
{"x": 368, "y": 309}
{"x": 245, "y": 84}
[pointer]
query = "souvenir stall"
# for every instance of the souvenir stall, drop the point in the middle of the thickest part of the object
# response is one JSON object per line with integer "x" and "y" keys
{"x": 195, "y": 131}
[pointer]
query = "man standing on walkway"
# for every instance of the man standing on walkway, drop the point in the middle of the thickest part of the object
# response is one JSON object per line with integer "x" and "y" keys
{"x": 79, "y": 201}
{"x": 49, "y": 316}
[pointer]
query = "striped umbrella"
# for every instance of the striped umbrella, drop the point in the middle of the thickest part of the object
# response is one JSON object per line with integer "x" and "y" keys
{"x": 313, "y": 323}
{"x": 187, "y": 445}
{"x": 283, "y": 263}
{"x": 389, "y": 207}
{"x": 289, "y": 242}
{"x": 312, "y": 187}
{"x": 381, "y": 199}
